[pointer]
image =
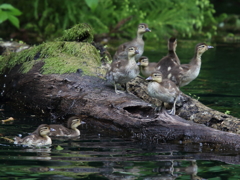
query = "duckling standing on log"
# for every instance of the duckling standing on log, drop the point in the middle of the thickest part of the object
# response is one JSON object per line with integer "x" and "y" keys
{"x": 146, "y": 68}
{"x": 40, "y": 138}
{"x": 185, "y": 73}
{"x": 171, "y": 60}
{"x": 122, "y": 51}
{"x": 122, "y": 71}
{"x": 164, "y": 90}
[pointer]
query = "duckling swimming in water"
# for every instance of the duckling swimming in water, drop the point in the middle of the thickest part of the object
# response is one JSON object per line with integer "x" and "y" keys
{"x": 40, "y": 138}
{"x": 69, "y": 131}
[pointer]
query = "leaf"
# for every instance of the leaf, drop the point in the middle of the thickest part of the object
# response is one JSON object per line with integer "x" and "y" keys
{"x": 6, "y": 6}
{"x": 3, "y": 16}
{"x": 13, "y": 20}
{"x": 92, "y": 4}
{"x": 59, "y": 148}
{"x": 15, "y": 12}
{"x": 11, "y": 10}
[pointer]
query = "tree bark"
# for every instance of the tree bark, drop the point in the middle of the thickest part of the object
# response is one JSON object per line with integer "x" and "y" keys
{"x": 125, "y": 114}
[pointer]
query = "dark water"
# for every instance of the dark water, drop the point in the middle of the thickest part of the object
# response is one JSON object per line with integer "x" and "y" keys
{"x": 95, "y": 155}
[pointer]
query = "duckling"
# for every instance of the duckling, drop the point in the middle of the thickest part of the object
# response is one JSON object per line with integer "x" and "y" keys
{"x": 146, "y": 68}
{"x": 171, "y": 60}
{"x": 163, "y": 89}
{"x": 122, "y": 51}
{"x": 122, "y": 71}
{"x": 183, "y": 74}
{"x": 71, "y": 130}
{"x": 40, "y": 138}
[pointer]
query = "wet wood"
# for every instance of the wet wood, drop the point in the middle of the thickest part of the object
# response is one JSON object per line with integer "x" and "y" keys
{"x": 125, "y": 114}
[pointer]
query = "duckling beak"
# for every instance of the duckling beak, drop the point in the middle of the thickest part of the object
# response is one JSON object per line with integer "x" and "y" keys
{"x": 138, "y": 63}
{"x": 82, "y": 122}
{"x": 209, "y": 47}
{"x": 147, "y": 30}
{"x": 149, "y": 78}
{"x": 51, "y": 129}
{"x": 137, "y": 52}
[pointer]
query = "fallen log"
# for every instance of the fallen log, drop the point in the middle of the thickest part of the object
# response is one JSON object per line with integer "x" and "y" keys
{"x": 90, "y": 96}
{"x": 191, "y": 109}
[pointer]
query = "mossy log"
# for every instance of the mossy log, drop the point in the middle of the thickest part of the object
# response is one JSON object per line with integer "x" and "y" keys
{"x": 77, "y": 91}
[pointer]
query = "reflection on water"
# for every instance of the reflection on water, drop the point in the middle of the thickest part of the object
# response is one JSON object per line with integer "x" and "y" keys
{"x": 105, "y": 157}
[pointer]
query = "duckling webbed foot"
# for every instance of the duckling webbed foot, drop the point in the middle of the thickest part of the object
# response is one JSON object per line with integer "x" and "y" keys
{"x": 117, "y": 91}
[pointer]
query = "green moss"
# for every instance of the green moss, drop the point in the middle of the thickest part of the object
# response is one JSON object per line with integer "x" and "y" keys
{"x": 59, "y": 56}
{"x": 79, "y": 32}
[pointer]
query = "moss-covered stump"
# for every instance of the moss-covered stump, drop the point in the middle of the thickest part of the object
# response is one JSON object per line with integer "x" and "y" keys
{"x": 70, "y": 53}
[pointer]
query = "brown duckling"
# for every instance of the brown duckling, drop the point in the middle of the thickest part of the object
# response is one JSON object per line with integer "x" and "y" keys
{"x": 163, "y": 89}
{"x": 40, "y": 138}
{"x": 122, "y": 51}
{"x": 69, "y": 131}
{"x": 146, "y": 68}
{"x": 122, "y": 71}
{"x": 185, "y": 73}
{"x": 171, "y": 60}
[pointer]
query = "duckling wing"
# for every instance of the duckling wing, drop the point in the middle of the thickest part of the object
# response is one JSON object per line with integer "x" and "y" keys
{"x": 28, "y": 140}
{"x": 185, "y": 67}
{"x": 60, "y": 130}
{"x": 120, "y": 53}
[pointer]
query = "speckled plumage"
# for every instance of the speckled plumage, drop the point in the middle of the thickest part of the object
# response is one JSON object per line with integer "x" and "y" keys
{"x": 122, "y": 71}
{"x": 40, "y": 138}
{"x": 163, "y": 89}
{"x": 186, "y": 73}
{"x": 122, "y": 51}
{"x": 171, "y": 60}
{"x": 146, "y": 68}
{"x": 69, "y": 131}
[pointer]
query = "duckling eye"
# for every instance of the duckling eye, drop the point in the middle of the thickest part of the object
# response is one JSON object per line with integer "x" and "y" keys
{"x": 202, "y": 46}
{"x": 131, "y": 49}
{"x": 141, "y": 26}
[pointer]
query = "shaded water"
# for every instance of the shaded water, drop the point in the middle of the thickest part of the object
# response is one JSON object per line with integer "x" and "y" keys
{"x": 95, "y": 155}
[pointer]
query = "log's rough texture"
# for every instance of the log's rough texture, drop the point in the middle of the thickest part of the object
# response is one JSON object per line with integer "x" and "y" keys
{"x": 191, "y": 109}
{"x": 90, "y": 96}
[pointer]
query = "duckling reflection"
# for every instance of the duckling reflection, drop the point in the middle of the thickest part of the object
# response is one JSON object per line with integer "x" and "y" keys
{"x": 41, "y": 153}
{"x": 192, "y": 170}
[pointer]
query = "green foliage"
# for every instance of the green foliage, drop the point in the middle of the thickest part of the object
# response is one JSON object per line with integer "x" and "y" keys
{"x": 227, "y": 112}
{"x": 59, "y": 148}
{"x": 8, "y": 12}
{"x": 80, "y": 32}
{"x": 119, "y": 18}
